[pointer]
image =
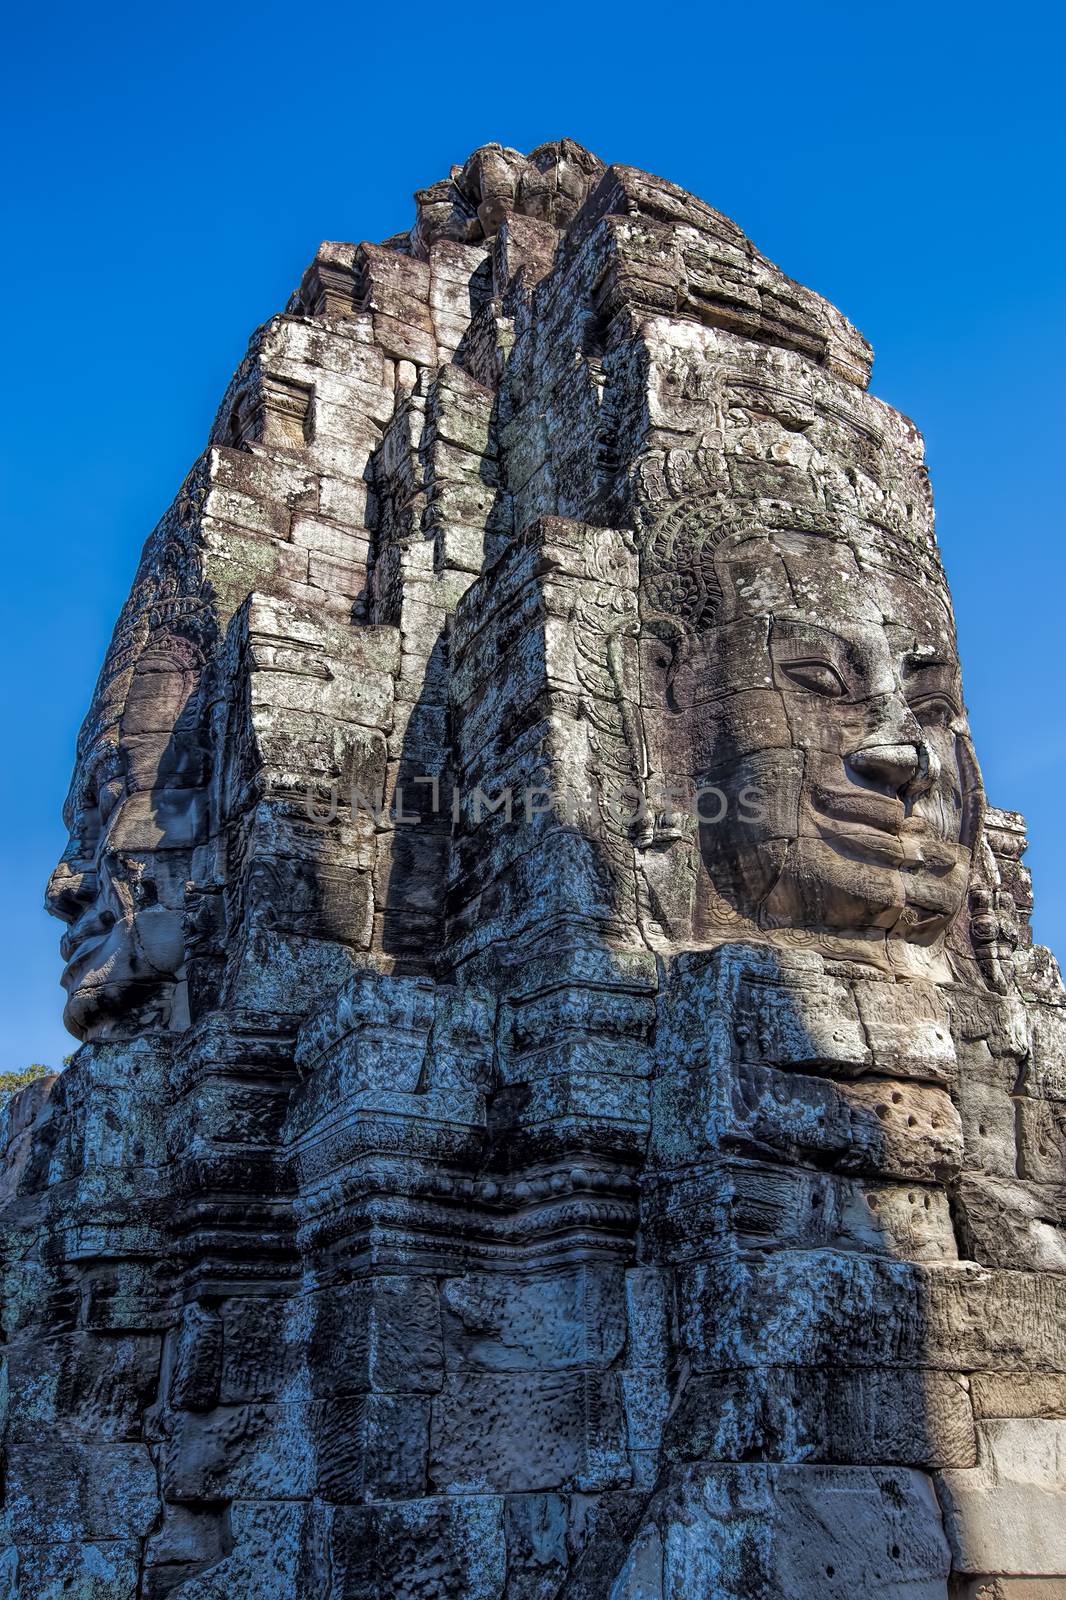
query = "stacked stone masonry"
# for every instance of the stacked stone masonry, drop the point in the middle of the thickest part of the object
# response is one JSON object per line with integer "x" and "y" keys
{"x": 569, "y": 1107}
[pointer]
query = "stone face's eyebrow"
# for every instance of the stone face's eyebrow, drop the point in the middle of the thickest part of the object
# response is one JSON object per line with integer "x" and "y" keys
{"x": 802, "y": 634}
{"x": 785, "y": 627}
{"x": 918, "y": 661}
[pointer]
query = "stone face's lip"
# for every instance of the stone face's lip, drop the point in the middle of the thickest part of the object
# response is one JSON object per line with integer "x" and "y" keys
{"x": 863, "y": 809}
{"x": 869, "y": 844}
{"x": 936, "y": 855}
{"x": 913, "y": 850}
{"x": 876, "y": 828}
{"x": 79, "y": 955}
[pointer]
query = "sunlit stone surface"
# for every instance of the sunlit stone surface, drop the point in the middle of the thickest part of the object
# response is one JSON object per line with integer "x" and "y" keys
{"x": 569, "y": 1106}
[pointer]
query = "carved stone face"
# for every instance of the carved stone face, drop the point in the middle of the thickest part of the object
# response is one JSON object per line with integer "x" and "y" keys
{"x": 826, "y": 706}
{"x": 137, "y": 815}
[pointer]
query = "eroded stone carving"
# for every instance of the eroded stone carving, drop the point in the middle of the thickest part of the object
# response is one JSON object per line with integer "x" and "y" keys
{"x": 569, "y": 1103}
{"x": 137, "y": 812}
{"x": 812, "y": 700}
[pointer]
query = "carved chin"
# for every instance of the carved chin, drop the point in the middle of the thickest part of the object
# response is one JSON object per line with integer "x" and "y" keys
{"x": 118, "y": 1009}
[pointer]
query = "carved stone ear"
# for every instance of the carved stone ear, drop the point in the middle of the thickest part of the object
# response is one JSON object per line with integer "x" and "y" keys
{"x": 664, "y": 652}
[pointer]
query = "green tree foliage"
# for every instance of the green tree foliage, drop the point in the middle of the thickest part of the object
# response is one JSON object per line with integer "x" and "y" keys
{"x": 10, "y": 1081}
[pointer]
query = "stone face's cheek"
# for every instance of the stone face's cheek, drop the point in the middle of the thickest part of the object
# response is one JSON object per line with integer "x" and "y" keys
{"x": 158, "y": 821}
{"x": 737, "y": 726}
{"x": 821, "y": 725}
{"x": 159, "y": 937}
{"x": 844, "y": 725}
{"x": 750, "y": 811}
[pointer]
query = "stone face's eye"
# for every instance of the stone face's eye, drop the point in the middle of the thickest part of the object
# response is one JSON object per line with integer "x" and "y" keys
{"x": 934, "y": 710}
{"x": 817, "y": 676}
{"x": 142, "y": 890}
{"x": 109, "y": 796}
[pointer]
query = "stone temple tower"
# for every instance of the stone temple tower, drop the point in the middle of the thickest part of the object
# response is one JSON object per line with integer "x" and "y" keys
{"x": 569, "y": 1107}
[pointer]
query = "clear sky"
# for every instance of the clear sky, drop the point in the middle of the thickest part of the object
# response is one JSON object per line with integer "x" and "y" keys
{"x": 171, "y": 171}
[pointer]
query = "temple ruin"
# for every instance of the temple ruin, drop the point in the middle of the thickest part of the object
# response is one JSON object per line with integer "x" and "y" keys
{"x": 569, "y": 1106}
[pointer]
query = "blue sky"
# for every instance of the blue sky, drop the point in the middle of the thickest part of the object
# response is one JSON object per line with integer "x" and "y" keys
{"x": 171, "y": 172}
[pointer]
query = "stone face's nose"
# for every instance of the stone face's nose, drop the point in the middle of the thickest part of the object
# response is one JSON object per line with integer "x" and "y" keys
{"x": 69, "y": 892}
{"x": 890, "y": 766}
